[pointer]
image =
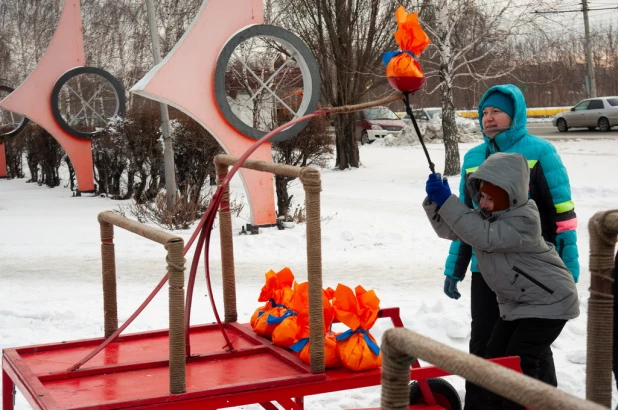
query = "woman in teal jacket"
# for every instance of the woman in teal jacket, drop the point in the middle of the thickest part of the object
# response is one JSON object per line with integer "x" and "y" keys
{"x": 549, "y": 188}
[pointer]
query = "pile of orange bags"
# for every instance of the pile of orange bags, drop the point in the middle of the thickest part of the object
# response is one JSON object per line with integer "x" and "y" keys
{"x": 285, "y": 320}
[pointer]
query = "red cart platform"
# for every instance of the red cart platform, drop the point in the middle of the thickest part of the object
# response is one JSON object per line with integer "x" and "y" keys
{"x": 133, "y": 372}
{"x": 211, "y": 366}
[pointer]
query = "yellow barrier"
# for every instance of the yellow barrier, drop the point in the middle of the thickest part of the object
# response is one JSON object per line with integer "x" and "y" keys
{"x": 531, "y": 112}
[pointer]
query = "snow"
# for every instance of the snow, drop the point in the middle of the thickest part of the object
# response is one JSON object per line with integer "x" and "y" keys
{"x": 374, "y": 233}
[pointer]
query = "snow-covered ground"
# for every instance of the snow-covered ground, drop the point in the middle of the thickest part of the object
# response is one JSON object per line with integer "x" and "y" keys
{"x": 374, "y": 234}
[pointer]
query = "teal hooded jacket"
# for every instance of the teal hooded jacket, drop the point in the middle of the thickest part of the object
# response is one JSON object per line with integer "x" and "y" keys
{"x": 549, "y": 187}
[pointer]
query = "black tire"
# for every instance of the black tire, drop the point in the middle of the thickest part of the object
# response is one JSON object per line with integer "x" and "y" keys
{"x": 562, "y": 125}
{"x": 310, "y": 102}
{"x": 604, "y": 124}
{"x": 55, "y": 98}
{"x": 22, "y": 124}
{"x": 364, "y": 138}
{"x": 443, "y": 392}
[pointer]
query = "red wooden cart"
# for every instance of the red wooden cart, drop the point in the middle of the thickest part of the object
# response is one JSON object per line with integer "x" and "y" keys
{"x": 187, "y": 366}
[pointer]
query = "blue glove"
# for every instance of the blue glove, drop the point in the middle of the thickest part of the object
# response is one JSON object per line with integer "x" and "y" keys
{"x": 437, "y": 189}
{"x": 450, "y": 287}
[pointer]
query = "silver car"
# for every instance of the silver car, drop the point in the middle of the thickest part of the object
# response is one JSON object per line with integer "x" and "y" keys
{"x": 599, "y": 112}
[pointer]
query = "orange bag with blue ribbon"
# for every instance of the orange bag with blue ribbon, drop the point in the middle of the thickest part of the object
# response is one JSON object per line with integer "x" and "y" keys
{"x": 303, "y": 344}
{"x": 295, "y": 323}
{"x": 402, "y": 68}
{"x": 278, "y": 294}
{"x": 356, "y": 347}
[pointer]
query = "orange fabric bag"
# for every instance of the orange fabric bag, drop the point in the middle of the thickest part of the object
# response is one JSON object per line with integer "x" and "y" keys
{"x": 294, "y": 327}
{"x": 277, "y": 293}
{"x": 356, "y": 347}
{"x": 302, "y": 345}
{"x": 331, "y": 357}
{"x": 412, "y": 41}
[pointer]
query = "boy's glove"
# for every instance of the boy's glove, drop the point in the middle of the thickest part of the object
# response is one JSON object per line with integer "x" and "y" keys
{"x": 437, "y": 189}
{"x": 450, "y": 287}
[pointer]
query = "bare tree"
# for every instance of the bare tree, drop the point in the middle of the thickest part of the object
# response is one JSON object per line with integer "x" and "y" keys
{"x": 469, "y": 40}
{"x": 347, "y": 37}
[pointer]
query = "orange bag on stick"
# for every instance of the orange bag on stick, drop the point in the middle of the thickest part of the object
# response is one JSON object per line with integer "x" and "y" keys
{"x": 278, "y": 293}
{"x": 412, "y": 41}
{"x": 356, "y": 347}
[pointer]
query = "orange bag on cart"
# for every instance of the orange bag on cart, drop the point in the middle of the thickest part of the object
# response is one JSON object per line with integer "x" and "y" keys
{"x": 331, "y": 357}
{"x": 277, "y": 293}
{"x": 356, "y": 347}
{"x": 303, "y": 344}
{"x": 293, "y": 326}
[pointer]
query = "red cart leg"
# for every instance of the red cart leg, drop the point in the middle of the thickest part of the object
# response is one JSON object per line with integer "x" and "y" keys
{"x": 300, "y": 402}
{"x": 8, "y": 391}
{"x": 424, "y": 386}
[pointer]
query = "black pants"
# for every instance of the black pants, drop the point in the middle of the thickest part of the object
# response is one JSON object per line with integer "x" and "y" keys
{"x": 615, "y": 345}
{"x": 485, "y": 314}
{"x": 527, "y": 338}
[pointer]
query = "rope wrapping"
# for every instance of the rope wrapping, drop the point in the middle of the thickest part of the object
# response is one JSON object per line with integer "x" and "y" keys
{"x": 400, "y": 345}
{"x": 395, "y": 377}
{"x": 603, "y": 230}
{"x": 108, "y": 269}
{"x": 312, "y": 185}
{"x": 227, "y": 251}
{"x": 175, "y": 268}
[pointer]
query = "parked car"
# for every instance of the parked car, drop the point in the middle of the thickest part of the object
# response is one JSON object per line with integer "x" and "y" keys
{"x": 377, "y": 122}
{"x": 434, "y": 114}
{"x": 601, "y": 112}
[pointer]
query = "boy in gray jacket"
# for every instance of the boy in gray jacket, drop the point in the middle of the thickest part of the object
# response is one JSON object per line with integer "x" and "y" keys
{"x": 535, "y": 291}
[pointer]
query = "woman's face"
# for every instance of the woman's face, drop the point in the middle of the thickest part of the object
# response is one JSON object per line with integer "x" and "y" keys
{"x": 494, "y": 118}
{"x": 486, "y": 204}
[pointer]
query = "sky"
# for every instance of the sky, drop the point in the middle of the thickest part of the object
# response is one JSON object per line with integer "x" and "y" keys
{"x": 374, "y": 234}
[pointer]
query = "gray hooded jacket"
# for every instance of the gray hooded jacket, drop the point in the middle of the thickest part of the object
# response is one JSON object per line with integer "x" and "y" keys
{"x": 524, "y": 270}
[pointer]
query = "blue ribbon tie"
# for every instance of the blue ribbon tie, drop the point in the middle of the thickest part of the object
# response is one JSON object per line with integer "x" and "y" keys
{"x": 300, "y": 345}
{"x": 374, "y": 347}
{"x": 273, "y": 320}
{"x": 387, "y": 56}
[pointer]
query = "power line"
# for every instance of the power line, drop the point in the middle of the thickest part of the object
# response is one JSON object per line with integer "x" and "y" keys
{"x": 573, "y": 11}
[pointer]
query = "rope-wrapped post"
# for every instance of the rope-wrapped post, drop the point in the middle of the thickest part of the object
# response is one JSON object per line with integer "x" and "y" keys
{"x": 312, "y": 185}
{"x": 400, "y": 346}
{"x": 395, "y": 377}
{"x": 603, "y": 230}
{"x": 108, "y": 262}
{"x": 175, "y": 269}
{"x": 227, "y": 250}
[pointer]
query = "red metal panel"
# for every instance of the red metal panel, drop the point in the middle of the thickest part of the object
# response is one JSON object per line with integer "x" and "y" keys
{"x": 151, "y": 347}
{"x": 203, "y": 378}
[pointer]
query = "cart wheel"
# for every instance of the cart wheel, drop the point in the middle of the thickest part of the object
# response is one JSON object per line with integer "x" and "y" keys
{"x": 84, "y": 99}
{"x": 10, "y": 123}
{"x": 443, "y": 392}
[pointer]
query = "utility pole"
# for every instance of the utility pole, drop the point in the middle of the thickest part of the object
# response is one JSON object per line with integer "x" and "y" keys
{"x": 168, "y": 146}
{"x": 593, "y": 85}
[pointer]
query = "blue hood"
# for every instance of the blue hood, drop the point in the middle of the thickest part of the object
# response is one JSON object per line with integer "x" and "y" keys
{"x": 518, "y": 129}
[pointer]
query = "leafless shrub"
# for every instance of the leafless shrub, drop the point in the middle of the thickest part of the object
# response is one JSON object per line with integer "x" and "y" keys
{"x": 187, "y": 209}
